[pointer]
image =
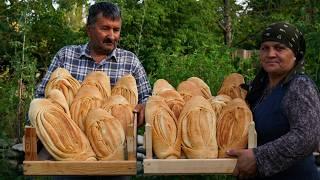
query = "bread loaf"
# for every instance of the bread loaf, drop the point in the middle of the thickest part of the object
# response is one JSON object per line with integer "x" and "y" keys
{"x": 161, "y": 85}
{"x": 198, "y": 129}
{"x": 62, "y": 80}
{"x": 105, "y": 134}
{"x": 231, "y": 86}
{"x": 126, "y": 86}
{"x": 218, "y": 102}
{"x": 166, "y": 135}
{"x": 89, "y": 97}
{"x": 119, "y": 107}
{"x": 100, "y": 80}
{"x": 61, "y": 137}
{"x": 203, "y": 86}
{"x": 233, "y": 126}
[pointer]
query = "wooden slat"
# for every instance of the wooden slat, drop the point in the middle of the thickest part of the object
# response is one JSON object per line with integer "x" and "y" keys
{"x": 131, "y": 138}
{"x": 79, "y": 168}
{"x": 34, "y": 167}
{"x": 148, "y": 140}
{"x": 30, "y": 144}
{"x": 188, "y": 166}
{"x": 252, "y": 136}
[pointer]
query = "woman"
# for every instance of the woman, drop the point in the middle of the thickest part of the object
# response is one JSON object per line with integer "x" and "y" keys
{"x": 286, "y": 110}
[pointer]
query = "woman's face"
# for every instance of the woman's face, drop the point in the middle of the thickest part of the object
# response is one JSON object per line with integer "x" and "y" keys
{"x": 276, "y": 58}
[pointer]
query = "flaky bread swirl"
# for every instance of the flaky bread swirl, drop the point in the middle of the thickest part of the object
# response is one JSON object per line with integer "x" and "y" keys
{"x": 61, "y": 137}
{"x": 161, "y": 85}
{"x": 198, "y": 129}
{"x": 174, "y": 100}
{"x": 120, "y": 108}
{"x": 231, "y": 86}
{"x": 105, "y": 134}
{"x": 188, "y": 89}
{"x": 62, "y": 80}
{"x": 57, "y": 98}
{"x": 88, "y": 97}
{"x": 166, "y": 135}
{"x": 126, "y": 86}
{"x": 100, "y": 80}
{"x": 233, "y": 126}
{"x": 218, "y": 102}
{"x": 203, "y": 86}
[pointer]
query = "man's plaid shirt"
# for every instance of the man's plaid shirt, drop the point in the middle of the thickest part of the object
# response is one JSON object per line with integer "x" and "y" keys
{"x": 79, "y": 63}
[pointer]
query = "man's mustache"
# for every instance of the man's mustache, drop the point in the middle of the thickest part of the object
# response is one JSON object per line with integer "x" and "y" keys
{"x": 107, "y": 40}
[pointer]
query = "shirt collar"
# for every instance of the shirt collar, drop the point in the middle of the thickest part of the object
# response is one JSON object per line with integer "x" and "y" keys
{"x": 86, "y": 52}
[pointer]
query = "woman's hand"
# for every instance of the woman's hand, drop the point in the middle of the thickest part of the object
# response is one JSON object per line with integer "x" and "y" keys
{"x": 246, "y": 166}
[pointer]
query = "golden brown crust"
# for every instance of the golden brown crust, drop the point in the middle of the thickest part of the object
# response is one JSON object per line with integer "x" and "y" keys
{"x": 88, "y": 97}
{"x": 61, "y": 137}
{"x": 119, "y": 107}
{"x": 105, "y": 134}
{"x": 233, "y": 126}
{"x": 174, "y": 100}
{"x": 62, "y": 80}
{"x": 231, "y": 86}
{"x": 203, "y": 86}
{"x": 188, "y": 89}
{"x": 161, "y": 85}
{"x": 218, "y": 102}
{"x": 100, "y": 80}
{"x": 166, "y": 135}
{"x": 198, "y": 125}
{"x": 126, "y": 86}
{"x": 57, "y": 98}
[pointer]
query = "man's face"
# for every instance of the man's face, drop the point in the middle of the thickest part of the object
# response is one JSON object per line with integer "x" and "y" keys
{"x": 104, "y": 34}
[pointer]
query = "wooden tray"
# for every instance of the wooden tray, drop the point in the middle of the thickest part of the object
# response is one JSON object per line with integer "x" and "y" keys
{"x": 33, "y": 166}
{"x": 190, "y": 166}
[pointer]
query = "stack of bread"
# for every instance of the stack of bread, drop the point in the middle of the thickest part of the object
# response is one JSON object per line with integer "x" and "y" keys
{"x": 196, "y": 123}
{"x": 84, "y": 121}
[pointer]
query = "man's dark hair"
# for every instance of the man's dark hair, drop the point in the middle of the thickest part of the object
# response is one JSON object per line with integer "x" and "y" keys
{"x": 107, "y": 9}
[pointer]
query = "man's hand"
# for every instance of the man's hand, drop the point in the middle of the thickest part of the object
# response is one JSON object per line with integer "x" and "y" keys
{"x": 140, "y": 110}
{"x": 246, "y": 166}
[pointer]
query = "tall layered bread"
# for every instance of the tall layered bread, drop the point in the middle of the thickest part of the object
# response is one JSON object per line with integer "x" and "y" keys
{"x": 166, "y": 135}
{"x": 95, "y": 87}
{"x": 57, "y": 98}
{"x": 59, "y": 134}
{"x": 62, "y": 80}
{"x": 105, "y": 134}
{"x": 161, "y": 85}
{"x": 173, "y": 99}
{"x": 198, "y": 129}
{"x": 188, "y": 89}
{"x": 231, "y": 86}
{"x": 88, "y": 97}
{"x": 218, "y": 102}
{"x": 203, "y": 86}
{"x": 233, "y": 126}
{"x": 99, "y": 80}
{"x": 120, "y": 108}
{"x": 126, "y": 86}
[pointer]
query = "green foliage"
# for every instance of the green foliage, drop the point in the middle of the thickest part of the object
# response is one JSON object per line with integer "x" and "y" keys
{"x": 168, "y": 27}
{"x": 7, "y": 171}
{"x": 211, "y": 64}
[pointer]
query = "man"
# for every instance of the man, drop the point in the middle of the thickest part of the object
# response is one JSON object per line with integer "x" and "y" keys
{"x": 101, "y": 54}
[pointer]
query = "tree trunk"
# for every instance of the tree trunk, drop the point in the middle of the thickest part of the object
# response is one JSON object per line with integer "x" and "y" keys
{"x": 227, "y": 24}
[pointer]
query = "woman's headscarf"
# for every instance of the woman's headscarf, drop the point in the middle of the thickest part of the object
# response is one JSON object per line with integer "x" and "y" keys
{"x": 292, "y": 38}
{"x": 288, "y": 35}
